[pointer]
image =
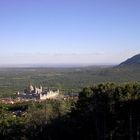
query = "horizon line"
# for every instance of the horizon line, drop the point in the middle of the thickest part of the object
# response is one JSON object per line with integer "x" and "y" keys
{"x": 33, "y": 65}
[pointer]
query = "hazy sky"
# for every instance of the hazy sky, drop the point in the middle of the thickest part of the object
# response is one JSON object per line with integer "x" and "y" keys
{"x": 68, "y": 31}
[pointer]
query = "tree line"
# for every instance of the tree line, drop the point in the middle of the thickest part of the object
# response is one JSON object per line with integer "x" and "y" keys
{"x": 103, "y": 112}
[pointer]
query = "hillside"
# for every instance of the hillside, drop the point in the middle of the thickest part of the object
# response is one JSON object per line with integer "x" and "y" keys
{"x": 135, "y": 60}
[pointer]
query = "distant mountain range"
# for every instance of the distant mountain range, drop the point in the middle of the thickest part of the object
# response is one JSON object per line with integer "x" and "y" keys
{"x": 133, "y": 61}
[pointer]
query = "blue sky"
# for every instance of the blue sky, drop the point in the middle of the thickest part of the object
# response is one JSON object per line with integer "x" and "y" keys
{"x": 68, "y": 32}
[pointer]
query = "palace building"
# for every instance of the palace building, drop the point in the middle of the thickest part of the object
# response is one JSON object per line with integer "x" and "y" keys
{"x": 37, "y": 93}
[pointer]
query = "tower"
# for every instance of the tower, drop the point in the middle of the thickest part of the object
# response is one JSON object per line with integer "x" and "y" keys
{"x": 40, "y": 87}
{"x": 31, "y": 88}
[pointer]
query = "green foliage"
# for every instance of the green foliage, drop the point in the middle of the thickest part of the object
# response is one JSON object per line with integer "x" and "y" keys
{"x": 104, "y": 111}
{"x": 108, "y": 110}
{"x": 27, "y": 120}
{"x": 66, "y": 79}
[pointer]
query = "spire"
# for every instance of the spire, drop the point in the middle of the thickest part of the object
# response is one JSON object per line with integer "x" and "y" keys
{"x": 31, "y": 88}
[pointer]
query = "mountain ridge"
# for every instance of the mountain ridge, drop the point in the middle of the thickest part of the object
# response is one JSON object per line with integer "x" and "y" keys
{"x": 132, "y": 61}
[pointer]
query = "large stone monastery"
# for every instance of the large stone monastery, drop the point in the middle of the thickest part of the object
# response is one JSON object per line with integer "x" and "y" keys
{"x": 37, "y": 93}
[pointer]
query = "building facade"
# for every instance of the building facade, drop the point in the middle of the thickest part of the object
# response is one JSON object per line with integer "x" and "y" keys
{"x": 37, "y": 93}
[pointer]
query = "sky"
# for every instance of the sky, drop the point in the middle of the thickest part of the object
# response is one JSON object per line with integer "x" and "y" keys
{"x": 83, "y": 32}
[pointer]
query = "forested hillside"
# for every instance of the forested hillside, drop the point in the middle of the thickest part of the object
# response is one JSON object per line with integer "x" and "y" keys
{"x": 103, "y": 112}
{"x": 134, "y": 61}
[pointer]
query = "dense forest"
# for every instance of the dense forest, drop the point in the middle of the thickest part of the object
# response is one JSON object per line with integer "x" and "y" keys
{"x": 102, "y": 112}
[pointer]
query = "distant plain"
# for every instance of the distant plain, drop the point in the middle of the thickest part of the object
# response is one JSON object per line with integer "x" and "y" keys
{"x": 67, "y": 79}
